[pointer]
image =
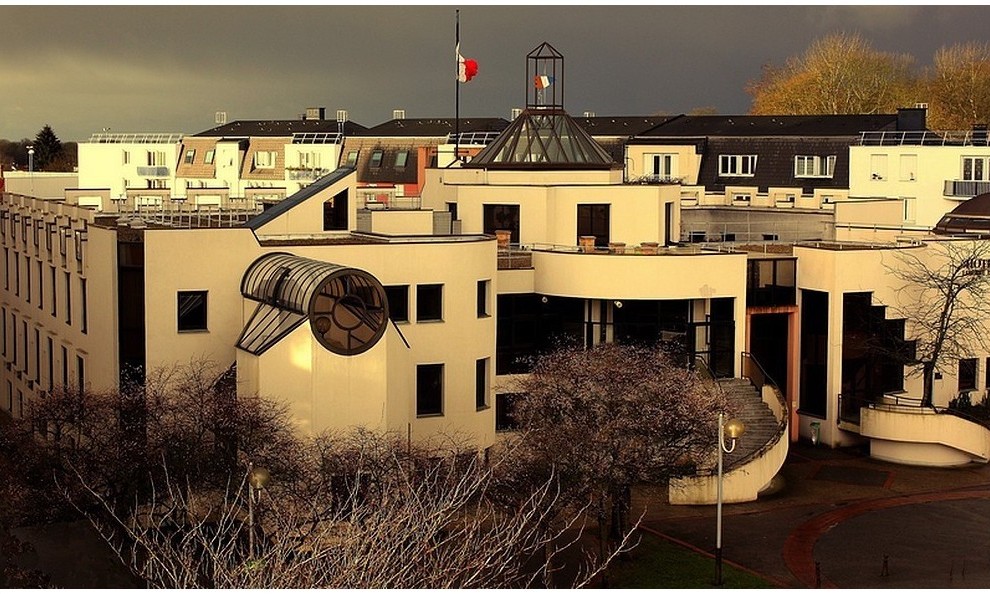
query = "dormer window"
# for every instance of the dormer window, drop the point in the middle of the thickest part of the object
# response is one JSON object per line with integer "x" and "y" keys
{"x": 264, "y": 160}
{"x": 352, "y": 158}
{"x": 401, "y": 158}
{"x": 208, "y": 159}
{"x": 190, "y": 156}
{"x": 814, "y": 166}
{"x": 376, "y": 159}
{"x": 737, "y": 165}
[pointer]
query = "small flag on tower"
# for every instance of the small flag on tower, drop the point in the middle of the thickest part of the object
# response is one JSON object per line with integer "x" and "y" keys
{"x": 542, "y": 81}
{"x": 466, "y": 67}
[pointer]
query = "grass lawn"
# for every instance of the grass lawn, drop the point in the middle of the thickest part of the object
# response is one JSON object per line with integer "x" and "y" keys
{"x": 658, "y": 563}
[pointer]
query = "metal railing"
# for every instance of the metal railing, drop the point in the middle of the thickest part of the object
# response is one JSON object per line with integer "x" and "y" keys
{"x": 925, "y": 138}
{"x": 390, "y": 202}
{"x": 142, "y": 138}
{"x": 622, "y": 249}
{"x": 965, "y": 188}
{"x": 751, "y": 369}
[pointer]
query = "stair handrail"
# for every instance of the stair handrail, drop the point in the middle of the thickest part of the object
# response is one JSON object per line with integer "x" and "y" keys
{"x": 781, "y": 424}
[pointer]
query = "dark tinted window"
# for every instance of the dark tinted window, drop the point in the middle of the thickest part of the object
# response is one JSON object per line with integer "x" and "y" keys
{"x": 429, "y": 389}
{"x": 429, "y": 303}
{"x": 192, "y": 310}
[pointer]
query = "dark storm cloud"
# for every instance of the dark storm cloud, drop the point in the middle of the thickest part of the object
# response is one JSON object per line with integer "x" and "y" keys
{"x": 170, "y": 68}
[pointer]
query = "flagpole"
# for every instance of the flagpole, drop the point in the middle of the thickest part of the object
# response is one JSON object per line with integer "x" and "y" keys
{"x": 457, "y": 88}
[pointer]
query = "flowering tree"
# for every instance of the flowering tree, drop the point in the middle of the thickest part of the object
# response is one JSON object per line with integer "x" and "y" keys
{"x": 610, "y": 417}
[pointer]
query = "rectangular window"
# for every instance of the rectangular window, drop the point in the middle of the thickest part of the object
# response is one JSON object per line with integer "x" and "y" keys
{"x": 967, "y": 374}
{"x": 908, "y": 210}
{"x": 398, "y": 302}
{"x": 376, "y": 159}
{"x": 6, "y": 268}
{"x": 54, "y": 300}
{"x": 68, "y": 299}
{"x": 3, "y": 329}
{"x": 504, "y": 419}
{"x": 429, "y": 389}
{"x": 484, "y": 298}
{"x": 155, "y": 159}
{"x": 975, "y": 168}
{"x": 190, "y": 156}
{"x": 593, "y": 219}
{"x": 41, "y": 285}
{"x": 264, "y": 160}
{"x": 878, "y": 167}
{"x": 502, "y": 217}
{"x": 814, "y": 166}
{"x": 429, "y": 303}
{"x": 481, "y": 384}
{"x": 80, "y": 373}
{"x": 82, "y": 299}
{"x": 737, "y": 165}
{"x": 401, "y": 158}
{"x": 37, "y": 355}
{"x": 909, "y": 167}
{"x": 352, "y": 157}
{"x": 17, "y": 275}
{"x": 27, "y": 272}
{"x": 210, "y": 154}
{"x": 126, "y": 158}
{"x": 65, "y": 366}
{"x": 661, "y": 165}
{"x": 191, "y": 307}
{"x": 51, "y": 363}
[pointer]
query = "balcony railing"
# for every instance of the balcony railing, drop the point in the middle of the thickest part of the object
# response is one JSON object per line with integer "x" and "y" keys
{"x": 387, "y": 202}
{"x": 926, "y": 138}
{"x": 306, "y": 173}
{"x": 965, "y": 188}
{"x": 153, "y": 171}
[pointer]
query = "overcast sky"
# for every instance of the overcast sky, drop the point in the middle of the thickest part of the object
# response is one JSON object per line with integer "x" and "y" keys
{"x": 171, "y": 68}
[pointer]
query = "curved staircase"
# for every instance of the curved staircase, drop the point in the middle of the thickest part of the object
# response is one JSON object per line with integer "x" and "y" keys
{"x": 760, "y": 451}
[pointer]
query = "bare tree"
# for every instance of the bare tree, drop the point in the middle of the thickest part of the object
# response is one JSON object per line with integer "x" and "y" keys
{"x": 838, "y": 74}
{"x": 608, "y": 418}
{"x": 945, "y": 298}
{"x": 387, "y": 519}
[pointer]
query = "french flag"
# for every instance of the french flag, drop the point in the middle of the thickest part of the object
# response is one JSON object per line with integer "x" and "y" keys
{"x": 542, "y": 81}
{"x": 466, "y": 67}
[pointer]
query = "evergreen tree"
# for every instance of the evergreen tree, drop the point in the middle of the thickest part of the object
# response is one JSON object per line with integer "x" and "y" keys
{"x": 47, "y": 148}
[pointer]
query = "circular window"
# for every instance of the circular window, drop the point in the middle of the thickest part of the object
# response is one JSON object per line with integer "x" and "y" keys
{"x": 349, "y": 312}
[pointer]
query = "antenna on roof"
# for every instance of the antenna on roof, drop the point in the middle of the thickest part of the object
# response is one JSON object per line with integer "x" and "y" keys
{"x": 220, "y": 118}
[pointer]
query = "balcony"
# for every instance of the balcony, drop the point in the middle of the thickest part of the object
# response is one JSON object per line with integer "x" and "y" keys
{"x": 153, "y": 171}
{"x": 955, "y": 188}
{"x": 305, "y": 173}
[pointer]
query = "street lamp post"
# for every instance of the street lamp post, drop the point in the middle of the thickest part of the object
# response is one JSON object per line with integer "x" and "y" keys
{"x": 733, "y": 428}
{"x": 257, "y": 480}
{"x": 30, "y": 159}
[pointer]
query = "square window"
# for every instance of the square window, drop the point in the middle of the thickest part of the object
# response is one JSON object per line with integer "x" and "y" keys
{"x": 481, "y": 384}
{"x": 192, "y": 311}
{"x": 376, "y": 159}
{"x": 398, "y": 302}
{"x": 401, "y": 158}
{"x": 429, "y": 303}
{"x": 429, "y": 389}
{"x": 264, "y": 160}
{"x": 484, "y": 289}
{"x": 352, "y": 157}
{"x": 190, "y": 156}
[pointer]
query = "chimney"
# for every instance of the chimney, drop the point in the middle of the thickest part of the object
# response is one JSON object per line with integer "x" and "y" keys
{"x": 589, "y": 114}
{"x": 516, "y": 112}
{"x": 912, "y": 119}
{"x": 398, "y": 114}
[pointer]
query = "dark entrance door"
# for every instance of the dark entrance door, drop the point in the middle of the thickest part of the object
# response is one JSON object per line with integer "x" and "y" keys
{"x": 768, "y": 344}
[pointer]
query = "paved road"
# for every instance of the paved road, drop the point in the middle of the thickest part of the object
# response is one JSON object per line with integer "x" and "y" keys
{"x": 849, "y": 513}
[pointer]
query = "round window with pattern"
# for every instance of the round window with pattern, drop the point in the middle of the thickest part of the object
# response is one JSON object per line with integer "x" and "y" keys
{"x": 349, "y": 312}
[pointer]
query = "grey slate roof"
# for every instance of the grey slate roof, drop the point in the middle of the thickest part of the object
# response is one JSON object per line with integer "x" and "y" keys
{"x": 620, "y": 125}
{"x": 434, "y": 127}
{"x": 298, "y": 198}
{"x": 774, "y": 162}
{"x": 788, "y": 125}
{"x": 242, "y": 128}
